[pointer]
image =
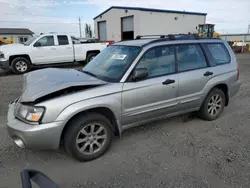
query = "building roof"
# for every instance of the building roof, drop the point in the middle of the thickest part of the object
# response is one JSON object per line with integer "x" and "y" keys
{"x": 16, "y": 31}
{"x": 151, "y": 10}
{"x": 236, "y": 34}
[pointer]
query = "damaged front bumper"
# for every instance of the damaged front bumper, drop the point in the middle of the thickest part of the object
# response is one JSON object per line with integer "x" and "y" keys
{"x": 41, "y": 136}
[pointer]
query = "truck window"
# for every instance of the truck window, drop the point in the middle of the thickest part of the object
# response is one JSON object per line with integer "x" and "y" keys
{"x": 62, "y": 40}
{"x": 46, "y": 41}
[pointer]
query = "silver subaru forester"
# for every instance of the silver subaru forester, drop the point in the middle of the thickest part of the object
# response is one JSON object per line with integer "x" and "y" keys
{"x": 128, "y": 84}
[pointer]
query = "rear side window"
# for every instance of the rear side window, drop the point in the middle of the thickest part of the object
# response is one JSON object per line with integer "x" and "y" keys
{"x": 190, "y": 57}
{"x": 62, "y": 40}
{"x": 219, "y": 53}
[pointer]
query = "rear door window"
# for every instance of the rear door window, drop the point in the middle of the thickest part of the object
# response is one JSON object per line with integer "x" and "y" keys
{"x": 219, "y": 53}
{"x": 63, "y": 40}
{"x": 190, "y": 57}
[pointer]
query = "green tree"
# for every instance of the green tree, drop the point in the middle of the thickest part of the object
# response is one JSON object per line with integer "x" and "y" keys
{"x": 88, "y": 31}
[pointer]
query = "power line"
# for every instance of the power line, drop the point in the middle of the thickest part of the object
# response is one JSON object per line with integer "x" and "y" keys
{"x": 36, "y": 22}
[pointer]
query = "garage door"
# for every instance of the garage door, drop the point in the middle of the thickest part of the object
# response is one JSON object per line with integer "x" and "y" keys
{"x": 102, "y": 31}
{"x": 128, "y": 24}
{"x": 127, "y": 28}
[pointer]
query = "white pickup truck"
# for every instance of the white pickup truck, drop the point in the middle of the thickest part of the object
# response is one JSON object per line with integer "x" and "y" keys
{"x": 47, "y": 50}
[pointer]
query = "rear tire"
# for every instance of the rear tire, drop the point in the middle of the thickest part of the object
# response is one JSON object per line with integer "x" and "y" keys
{"x": 88, "y": 137}
{"x": 20, "y": 65}
{"x": 90, "y": 57}
{"x": 82, "y": 63}
{"x": 213, "y": 105}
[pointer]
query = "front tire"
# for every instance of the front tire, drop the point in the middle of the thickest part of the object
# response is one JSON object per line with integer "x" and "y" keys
{"x": 213, "y": 105}
{"x": 20, "y": 65}
{"x": 88, "y": 137}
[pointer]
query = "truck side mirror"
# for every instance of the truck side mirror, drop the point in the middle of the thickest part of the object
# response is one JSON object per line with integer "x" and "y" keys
{"x": 37, "y": 44}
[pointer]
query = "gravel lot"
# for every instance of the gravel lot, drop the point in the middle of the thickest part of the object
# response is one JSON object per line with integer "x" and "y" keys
{"x": 170, "y": 153}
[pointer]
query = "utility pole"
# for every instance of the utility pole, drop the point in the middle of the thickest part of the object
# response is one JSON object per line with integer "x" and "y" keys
{"x": 80, "y": 27}
{"x": 248, "y": 31}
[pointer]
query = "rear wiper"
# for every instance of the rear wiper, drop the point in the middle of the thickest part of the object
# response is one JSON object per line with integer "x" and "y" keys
{"x": 90, "y": 73}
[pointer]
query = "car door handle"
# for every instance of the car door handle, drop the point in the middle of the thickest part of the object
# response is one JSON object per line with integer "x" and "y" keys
{"x": 69, "y": 48}
{"x": 53, "y": 48}
{"x": 168, "y": 81}
{"x": 208, "y": 73}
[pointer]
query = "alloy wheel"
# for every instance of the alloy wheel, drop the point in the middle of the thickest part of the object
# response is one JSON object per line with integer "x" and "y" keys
{"x": 214, "y": 105}
{"x": 21, "y": 66}
{"x": 91, "y": 138}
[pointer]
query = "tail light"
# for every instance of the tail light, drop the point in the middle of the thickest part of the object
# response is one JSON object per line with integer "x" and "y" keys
{"x": 109, "y": 42}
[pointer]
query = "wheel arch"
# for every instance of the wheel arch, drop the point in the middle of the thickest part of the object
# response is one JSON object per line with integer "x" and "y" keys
{"x": 224, "y": 88}
{"x": 92, "y": 51}
{"x": 109, "y": 114}
{"x": 12, "y": 57}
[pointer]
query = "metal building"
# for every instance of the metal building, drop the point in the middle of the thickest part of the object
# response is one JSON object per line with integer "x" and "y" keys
{"x": 121, "y": 23}
{"x": 237, "y": 37}
{"x": 14, "y": 35}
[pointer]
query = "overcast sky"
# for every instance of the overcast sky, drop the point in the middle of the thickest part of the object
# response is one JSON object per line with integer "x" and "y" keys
{"x": 230, "y": 16}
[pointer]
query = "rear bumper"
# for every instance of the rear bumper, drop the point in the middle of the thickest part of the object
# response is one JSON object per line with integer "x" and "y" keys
{"x": 4, "y": 63}
{"x": 234, "y": 89}
{"x": 42, "y": 136}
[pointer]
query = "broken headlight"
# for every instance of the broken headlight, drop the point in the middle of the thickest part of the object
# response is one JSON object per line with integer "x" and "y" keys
{"x": 29, "y": 113}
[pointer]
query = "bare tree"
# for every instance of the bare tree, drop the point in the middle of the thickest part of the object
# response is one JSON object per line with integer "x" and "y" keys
{"x": 88, "y": 31}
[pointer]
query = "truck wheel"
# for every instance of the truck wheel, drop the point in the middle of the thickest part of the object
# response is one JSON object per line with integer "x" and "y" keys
{"x": 91, "y": 56}
{"x": 213, "y": 105}
{"x": 88, "y": 137}
{"x": 20, "y": 65}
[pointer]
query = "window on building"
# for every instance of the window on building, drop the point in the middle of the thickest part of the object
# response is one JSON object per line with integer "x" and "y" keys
{"x": 190, "y": 57}
{"x": 62, "y": 40}
{"x": 23, "y": 39}
{"x": 159, "y": 61}
{"x": 46, "y": 41}
{"x": 219, "y": 53}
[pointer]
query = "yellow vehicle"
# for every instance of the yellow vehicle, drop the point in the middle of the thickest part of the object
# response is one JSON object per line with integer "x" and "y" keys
{"x": 207, "y": 30}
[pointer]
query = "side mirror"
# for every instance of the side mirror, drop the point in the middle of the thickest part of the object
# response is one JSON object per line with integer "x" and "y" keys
{"x": 39, "y": 178}
{"x": 140, "y": 74}
{"x": 37, "y": 44}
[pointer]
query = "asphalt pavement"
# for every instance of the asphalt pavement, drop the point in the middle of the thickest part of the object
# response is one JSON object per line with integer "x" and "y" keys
{"x": 177, "y": 152}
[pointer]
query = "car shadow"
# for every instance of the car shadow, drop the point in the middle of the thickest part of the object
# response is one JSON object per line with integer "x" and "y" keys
{"x": 129, "y": 136}
{"x": 171, "y": 122}
{"x": 76, "y": 66}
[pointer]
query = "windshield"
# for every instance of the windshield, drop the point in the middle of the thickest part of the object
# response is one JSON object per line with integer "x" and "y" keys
{"x": 28, "y": 42}
{"x": 112, "y": 63}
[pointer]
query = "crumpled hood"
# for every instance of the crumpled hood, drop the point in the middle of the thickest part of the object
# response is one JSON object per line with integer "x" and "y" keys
{"x": 46, "y": 81}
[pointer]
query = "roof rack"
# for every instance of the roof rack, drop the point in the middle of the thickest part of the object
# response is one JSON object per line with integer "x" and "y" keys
{"x": 161, "y": 38}
{"x": 149, "y": 36}
{"x": 170, "y": 36}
